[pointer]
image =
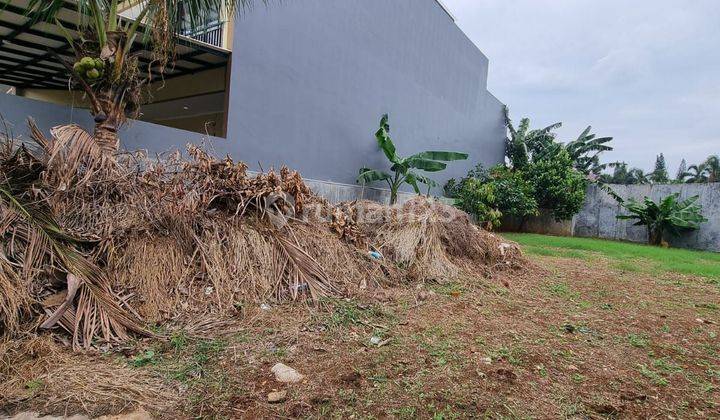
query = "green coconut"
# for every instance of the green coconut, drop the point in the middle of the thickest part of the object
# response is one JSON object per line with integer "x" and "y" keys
{"x": 87, "y": 63}
{"x": 92, "y": 74}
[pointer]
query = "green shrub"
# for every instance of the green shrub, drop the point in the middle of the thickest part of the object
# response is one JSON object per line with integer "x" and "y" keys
{"x": 557, "y": 186}
{"x": 478, "y": 198}
{"x": 489, "y": 195}
{"x": 514, "y": 196}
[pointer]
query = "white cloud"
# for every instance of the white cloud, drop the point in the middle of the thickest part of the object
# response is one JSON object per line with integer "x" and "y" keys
{"x": 646, "y": 72}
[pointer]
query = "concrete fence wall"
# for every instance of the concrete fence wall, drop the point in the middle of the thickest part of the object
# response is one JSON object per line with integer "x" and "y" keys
{"x": 598, "y": 218}
{"x": 136, "y": 135}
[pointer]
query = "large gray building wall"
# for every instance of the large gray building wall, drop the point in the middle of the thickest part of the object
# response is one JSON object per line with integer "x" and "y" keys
{"x": 311, "y": 78}
{"x": 157, "y": 140}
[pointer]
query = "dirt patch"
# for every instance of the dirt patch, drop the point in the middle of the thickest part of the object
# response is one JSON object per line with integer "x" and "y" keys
{"x": 579, "y": 340}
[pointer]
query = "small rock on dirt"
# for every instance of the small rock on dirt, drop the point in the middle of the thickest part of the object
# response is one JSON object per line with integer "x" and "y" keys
{"x": 286, "y": 374}
{"x": 277, "y": 397}
{"x": 506, "y": 375}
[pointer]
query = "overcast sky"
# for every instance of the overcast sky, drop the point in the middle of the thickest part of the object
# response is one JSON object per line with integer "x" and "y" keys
{"x": 646, "y": 72}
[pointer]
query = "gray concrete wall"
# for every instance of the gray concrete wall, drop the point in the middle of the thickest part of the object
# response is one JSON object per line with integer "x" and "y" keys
{"x": 311, "y": 78}
{"x": 598, "y": 218}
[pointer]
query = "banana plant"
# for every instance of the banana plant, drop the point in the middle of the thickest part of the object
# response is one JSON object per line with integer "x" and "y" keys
{"x": 403, "y": 169}
{"x": 669, "y": 215}
{"x": 524, "y": 144}
{"x": 585, "y": 152}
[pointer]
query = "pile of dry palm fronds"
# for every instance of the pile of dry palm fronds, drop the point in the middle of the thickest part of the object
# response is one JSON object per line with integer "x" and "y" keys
{"x": 101, "y": 245}
{"x": 433, "y": 241}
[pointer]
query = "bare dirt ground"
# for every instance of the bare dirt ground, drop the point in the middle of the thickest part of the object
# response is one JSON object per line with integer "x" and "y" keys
{"x": 569, "y": 339}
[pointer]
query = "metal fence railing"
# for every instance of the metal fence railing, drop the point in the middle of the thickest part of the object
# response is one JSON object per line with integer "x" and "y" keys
{"x": 211, "y": 34}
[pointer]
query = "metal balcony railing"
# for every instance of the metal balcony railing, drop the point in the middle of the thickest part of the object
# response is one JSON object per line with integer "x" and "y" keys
{"x": 211, "y": 33}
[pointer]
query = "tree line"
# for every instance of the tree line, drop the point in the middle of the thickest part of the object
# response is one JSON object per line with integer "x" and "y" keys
{"x": 707, "y": 171}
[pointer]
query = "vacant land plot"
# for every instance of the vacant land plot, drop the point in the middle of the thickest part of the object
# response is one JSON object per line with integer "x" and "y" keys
{"x": 597, "y": 329}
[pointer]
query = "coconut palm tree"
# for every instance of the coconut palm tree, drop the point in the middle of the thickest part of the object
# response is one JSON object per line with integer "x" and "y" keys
{"x": 695, "y": 174}
{"x": 106, "y": 67}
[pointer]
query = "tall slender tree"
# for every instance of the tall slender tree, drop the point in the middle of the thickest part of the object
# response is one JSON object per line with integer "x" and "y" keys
{"x": 681, "y": 172}
{"x": 660, "y": 174}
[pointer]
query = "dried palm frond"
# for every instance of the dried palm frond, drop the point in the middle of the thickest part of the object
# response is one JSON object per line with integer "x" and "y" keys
{"x": 71, "y": 156}
{"x": 39, "y": 248}
{"x": 302, "y": 272}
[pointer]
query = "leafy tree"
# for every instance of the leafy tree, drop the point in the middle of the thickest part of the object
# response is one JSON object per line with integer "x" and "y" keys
{"x": 402, "y": 168}
{"x": 624, "y": 175}
{"x": 557, "y": 186}
{"x": 619, "y": 175}
{"x": 478, "y": 198}
{"x": 585, "y": 152}
{"x": 682, "y": 169}
{"x": 660, "y": 173}
{"x": 637, "y": 176}
{"x": 452, "y": 187}
{"x": 107, "y": 68}
{"x": 669, "y": 215}
{"x": 489, "y": 195}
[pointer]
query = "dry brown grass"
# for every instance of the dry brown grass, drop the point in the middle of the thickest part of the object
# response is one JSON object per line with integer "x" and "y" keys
{"x": 41, "y": 370}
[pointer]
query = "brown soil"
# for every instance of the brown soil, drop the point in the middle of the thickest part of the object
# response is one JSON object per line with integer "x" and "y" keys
{"x": 568, "y": 338}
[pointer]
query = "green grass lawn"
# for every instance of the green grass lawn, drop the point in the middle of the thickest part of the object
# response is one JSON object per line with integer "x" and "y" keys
{"x": 625, "y": 256}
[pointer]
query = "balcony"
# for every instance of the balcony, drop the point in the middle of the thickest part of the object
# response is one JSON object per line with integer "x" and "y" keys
{"x": 211, "y": 33}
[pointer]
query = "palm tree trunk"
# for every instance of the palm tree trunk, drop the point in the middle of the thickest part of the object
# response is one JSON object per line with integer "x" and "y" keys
{"x": 106, "y": 137}
{"x": 107, "y": 121}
